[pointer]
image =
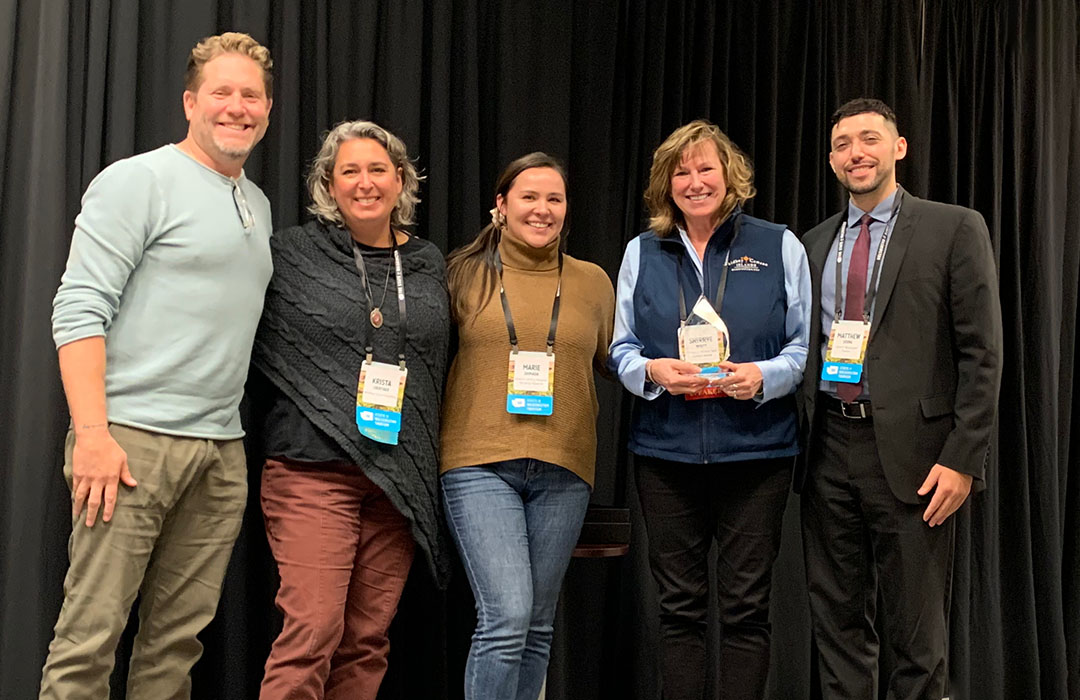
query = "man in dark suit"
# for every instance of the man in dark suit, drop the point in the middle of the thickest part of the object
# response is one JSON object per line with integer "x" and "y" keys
{"x": 898, "y": 403}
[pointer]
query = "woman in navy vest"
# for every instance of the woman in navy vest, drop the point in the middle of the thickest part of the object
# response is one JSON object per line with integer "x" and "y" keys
{"x": 712, "y": 459}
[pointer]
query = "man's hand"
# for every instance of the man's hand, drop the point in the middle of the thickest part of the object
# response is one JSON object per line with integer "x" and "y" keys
{"x": 951, "y": 489}
{"x": 743, "y": 380}
{"x": 97, "y": 462}
{"x": 676, "y": 376}
{"x": 97, "y": 465}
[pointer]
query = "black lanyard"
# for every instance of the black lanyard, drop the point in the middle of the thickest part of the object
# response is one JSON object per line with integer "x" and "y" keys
{"x": 721, "y": 289}
{"x": 868, "y": 301}
{"x": 399, "y": 279}
{"x": 510, "y": 318}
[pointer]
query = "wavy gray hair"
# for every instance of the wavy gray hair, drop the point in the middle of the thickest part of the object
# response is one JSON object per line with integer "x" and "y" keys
{"x": 322, "y": 168}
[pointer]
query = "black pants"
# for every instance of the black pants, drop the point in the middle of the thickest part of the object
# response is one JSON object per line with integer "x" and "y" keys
{"x": 860, "y": 540}
{"x": 686, "y": 506}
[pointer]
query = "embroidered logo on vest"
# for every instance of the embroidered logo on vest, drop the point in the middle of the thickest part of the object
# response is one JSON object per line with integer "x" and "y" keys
{"x": 746, "y": 264}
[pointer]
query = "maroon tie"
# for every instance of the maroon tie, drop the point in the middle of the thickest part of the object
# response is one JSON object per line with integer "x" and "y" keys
{"x": 856, "y": 294}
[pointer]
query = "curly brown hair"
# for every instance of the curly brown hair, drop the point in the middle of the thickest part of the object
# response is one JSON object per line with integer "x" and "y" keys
{"x": 323, "y": 204}
{"x": 230, "y": 42}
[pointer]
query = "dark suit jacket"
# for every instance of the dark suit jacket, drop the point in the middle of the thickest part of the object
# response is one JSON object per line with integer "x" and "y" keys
{"x": 933, "y": 363}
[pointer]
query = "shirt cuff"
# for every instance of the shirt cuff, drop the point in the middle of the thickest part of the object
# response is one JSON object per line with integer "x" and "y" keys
{"x": 70, "y": 335}
{"x": 633, "y": 378}
{"x": 771, "y": 379}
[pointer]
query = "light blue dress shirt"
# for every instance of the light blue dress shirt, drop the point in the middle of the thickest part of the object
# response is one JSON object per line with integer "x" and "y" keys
{"x": 780, "y": 375}
{"x": 880, "y": 215}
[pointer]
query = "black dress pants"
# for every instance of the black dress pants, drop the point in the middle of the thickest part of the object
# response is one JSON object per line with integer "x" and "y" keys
{"x": 860, "y": 540}
{"x": 686, "y": 506}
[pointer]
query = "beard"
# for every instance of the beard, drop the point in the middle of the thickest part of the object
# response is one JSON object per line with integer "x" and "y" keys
{"x": 234, "y": 151}
{"x": 882, "y": 176}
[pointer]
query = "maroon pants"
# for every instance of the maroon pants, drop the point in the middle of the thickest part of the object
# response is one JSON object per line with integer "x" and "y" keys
{"x": 343, "y": 552}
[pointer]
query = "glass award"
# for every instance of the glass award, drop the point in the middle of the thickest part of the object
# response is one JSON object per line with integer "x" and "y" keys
{"x": 704, "y": 341}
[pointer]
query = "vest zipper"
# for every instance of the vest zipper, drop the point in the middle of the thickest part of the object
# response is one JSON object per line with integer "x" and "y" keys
{"x": 704, "y": 409}
{"x": 704, "y": 453}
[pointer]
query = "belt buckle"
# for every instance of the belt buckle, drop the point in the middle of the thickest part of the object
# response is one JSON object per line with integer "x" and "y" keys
{"x": 858, "y": 410}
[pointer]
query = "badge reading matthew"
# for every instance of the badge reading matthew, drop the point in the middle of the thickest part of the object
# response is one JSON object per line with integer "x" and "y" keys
{"x": 845, "y": 352}
{"x": 704, "y": 341}
{"x": 379, "y": 395}
{"x": 530, "y": 385}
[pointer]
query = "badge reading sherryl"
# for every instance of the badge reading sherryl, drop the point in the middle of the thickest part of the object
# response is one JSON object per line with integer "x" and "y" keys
{"x": 705, "y": 342}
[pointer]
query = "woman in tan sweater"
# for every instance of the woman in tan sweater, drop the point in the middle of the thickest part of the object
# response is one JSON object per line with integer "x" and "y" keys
{"x": 519, "y": 427}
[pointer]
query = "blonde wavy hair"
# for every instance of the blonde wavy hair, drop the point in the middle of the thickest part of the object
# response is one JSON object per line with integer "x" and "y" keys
{"x": 738, "y": 173}
{"x": 230, "y": 42}
{"x": 323, "y": 204}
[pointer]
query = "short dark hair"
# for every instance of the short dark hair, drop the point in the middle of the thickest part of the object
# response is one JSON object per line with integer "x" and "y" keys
{"x": 862, "y": 105}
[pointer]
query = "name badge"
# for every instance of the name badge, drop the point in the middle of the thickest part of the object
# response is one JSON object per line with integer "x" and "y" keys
{"x": 379, "y": 396}
{"x": 700, "y": 344}
{"x": 704, "y": 341}
{"x": 530, "y": 385}
{"x": 845, "y": 352}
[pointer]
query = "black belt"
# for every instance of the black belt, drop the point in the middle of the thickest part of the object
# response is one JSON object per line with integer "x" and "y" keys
{"x": 856, "y": 410}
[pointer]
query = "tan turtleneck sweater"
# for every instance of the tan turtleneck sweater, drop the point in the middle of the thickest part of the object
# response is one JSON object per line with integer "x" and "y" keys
{"x": 476, "y": 429}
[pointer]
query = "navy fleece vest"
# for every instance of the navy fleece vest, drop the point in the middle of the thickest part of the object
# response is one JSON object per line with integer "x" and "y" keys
{"x": 754, "y": 309}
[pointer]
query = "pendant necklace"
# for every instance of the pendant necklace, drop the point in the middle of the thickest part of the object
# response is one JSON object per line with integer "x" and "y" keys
{"x": 376, "y": 316}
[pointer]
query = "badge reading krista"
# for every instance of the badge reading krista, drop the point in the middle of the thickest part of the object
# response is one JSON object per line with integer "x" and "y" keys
{"x": 845, "y": 352}
{"x": 380, "y": 390}
{"x": 705, "y": 342}
{"x": 379, "y": 396}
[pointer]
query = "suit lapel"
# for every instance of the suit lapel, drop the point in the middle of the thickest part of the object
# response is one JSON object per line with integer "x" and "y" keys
{"x": 818, "y": 253}
{"x": 819, "y": 250}
{"x": 899, "y": 240}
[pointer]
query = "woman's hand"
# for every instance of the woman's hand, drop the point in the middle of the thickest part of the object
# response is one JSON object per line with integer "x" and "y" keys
{"x": 676, "y": 376}
{"x": 743, "y": 381}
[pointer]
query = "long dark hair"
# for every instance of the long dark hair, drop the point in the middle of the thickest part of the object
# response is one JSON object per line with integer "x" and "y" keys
{"x": 477, "y": 258}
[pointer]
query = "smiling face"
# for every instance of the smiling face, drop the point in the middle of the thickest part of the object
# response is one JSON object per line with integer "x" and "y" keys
{"x": 865, "y": 148}
{"x": 698, "y": 187}
{"x": 535, "y": 206}
{"x": 366, "y": 185}
{"x": 228, "y": 113}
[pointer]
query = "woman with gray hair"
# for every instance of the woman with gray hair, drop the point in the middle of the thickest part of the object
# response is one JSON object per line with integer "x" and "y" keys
{"x": 347, "y": 376}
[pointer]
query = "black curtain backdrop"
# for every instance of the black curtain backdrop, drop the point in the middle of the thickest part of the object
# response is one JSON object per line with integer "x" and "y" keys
{"x": 987, "y": 94}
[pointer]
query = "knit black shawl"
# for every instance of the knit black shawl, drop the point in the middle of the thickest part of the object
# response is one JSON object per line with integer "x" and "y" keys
{"x": 310, "y": 344}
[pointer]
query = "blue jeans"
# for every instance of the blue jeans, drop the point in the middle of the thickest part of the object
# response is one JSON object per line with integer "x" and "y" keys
{"x": 515, "y": 524}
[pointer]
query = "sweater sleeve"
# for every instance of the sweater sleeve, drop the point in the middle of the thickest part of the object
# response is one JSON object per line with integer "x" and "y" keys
{"x": 605, "y": 323}
{"x": 120, "y": 210}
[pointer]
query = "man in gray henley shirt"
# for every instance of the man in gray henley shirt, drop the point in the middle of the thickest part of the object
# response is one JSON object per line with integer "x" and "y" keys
{"x": 154, "y": 322}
